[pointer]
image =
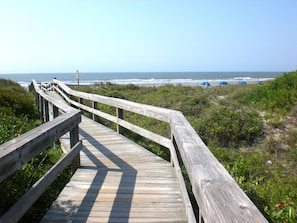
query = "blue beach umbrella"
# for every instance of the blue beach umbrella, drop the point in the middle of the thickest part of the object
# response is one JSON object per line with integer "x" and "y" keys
{"x": 223, "y": 82}
{"x": 205, "y": 83}
{"x": 242, "y": 82}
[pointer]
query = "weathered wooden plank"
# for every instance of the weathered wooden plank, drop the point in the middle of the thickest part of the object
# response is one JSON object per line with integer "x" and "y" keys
{"x": 134, "y": 206}
{"x": 148, "y": 171}
{"x": 74, "y": 194}
{"x": 145, "y": 133}
{"x": 152, "y": 213}
{"x": 137, "y": 189}
{"x": 20, "y": 150}
{"x": 114, "y": 220}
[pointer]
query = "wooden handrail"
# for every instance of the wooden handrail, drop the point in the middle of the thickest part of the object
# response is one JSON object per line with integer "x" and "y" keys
{"x": 16, "y": 152}
{"x": 219, "y": 197}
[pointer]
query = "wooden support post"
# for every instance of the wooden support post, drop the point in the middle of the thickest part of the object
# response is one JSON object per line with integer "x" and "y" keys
{"x": 30, "y": 87}
{"x": 95, "y": 106}
{"x": 120, "y": 115}
{"x": 55, "y": 111}
{"x": 200, "y": 218}
{"x": 74, "y": 138}
{"x": 80, "y": 100}
{"x": 41, "y": 101}
{"x": 46, "y": 111}
{"x": 69, "y": 96}
{"x": 36, "y": 99}
{"x": 54, "y": 114}
{"x": 174, "y": 144}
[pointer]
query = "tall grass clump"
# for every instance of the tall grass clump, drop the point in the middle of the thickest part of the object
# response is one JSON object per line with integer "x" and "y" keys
{"x": 229, "y": 126}
{"x": 278, "y": 95}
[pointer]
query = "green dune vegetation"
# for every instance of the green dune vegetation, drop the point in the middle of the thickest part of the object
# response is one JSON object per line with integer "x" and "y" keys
{"x": 18, "y": 114}
{"x": 251, "y": 129}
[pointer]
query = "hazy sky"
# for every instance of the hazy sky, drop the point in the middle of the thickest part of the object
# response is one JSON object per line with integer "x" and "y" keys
{"x": 147, "y": 35}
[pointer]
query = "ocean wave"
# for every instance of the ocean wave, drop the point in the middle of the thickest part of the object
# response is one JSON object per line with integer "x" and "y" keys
{"x": 189, "y": 82}
{"x": 243, "y": 78}
{"x": 166, "y": 81}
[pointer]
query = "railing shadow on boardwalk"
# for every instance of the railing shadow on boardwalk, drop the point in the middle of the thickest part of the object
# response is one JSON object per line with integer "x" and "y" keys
{"x": 127, "y": 172}
{"x": 128, "y": 178}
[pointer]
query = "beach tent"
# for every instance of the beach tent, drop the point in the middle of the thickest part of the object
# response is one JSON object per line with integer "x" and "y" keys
{"x": 223, "y": 83}
{"x": 205, "y": 83}
{"x": 242, "y": 82}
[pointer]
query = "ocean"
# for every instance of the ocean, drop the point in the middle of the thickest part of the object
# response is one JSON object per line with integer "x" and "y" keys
{"x": 147, "y": 78}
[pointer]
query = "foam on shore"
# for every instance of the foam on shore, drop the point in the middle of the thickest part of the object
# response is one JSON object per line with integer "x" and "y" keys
{"x": 161, "y": 82}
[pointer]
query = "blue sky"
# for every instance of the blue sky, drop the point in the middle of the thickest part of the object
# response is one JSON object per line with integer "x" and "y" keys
{"x": 147, "y": 35}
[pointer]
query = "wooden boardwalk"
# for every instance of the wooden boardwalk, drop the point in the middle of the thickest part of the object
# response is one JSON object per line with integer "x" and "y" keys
{"x": 118, "y": 181}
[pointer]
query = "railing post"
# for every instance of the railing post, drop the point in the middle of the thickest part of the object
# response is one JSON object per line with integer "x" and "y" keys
{"x": 80, "y": 100}
{"x": 36, "y": 99}
{"x": 95, "y": 106}
{"x": 200, "y": 218}
{"x": 67, "y": 95}
{"x": 120, "y": 115}
{"x": 46, "y": 111}
{"x": 55, "y": 111}
{"x": 74, "y": 138}
{"x": 30, "y": 87}
{"x": 173, "y": 143}
{"x": 41, "y": 108}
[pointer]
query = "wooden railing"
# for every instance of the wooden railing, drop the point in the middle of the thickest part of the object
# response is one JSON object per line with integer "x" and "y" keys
{"x": 22, "y": 149}
{"x": 218, "y": 196}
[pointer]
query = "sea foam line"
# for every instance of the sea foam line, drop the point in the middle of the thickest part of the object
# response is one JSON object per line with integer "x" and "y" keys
{"x": 162, "y": 81}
